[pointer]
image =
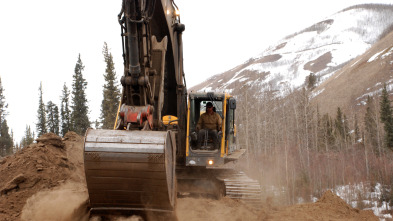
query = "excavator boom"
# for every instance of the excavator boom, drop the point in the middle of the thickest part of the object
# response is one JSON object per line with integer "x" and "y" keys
{"x": 132, "y": 168}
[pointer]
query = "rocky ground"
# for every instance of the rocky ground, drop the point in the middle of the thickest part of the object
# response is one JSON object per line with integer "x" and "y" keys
{"x": 45, "y": 181}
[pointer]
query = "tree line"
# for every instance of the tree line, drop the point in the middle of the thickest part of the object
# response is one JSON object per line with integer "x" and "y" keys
{"x": 292, "y": 144}
{"x": 73, "y": 112}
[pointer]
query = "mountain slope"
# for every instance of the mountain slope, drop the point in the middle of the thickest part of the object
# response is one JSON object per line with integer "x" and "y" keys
{"x": 365, "y": 75}
{"x": 321, "y": 49}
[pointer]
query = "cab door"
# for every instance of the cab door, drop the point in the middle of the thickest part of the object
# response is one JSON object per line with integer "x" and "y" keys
{"x": 230, "y": 135}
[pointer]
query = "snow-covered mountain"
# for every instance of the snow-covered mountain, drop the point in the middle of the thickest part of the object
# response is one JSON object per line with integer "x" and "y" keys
{"x": 363, "y": 76}
{"x": 322, "y": 49}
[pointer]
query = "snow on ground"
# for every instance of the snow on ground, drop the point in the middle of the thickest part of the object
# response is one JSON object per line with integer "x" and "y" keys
{"x": 387, "y": 53}
{"x": 362, "y": 196}
{"x": 375, "y": 56}
{"x": 376, "y": 90}
{"x": 366, "y": 196}
{"x": 316, "y": 93}
{"x": 355, "y": 63}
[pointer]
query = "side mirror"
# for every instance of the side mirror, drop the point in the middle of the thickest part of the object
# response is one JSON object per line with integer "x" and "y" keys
{"x": 232, "y": 103}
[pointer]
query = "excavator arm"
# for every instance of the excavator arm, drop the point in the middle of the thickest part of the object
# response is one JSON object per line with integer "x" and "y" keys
{"x": 132, "y": 168}
{"x": 152, "y": 52}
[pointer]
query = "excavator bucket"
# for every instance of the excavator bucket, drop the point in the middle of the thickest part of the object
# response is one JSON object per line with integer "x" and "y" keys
{"x": 130, "y": 171}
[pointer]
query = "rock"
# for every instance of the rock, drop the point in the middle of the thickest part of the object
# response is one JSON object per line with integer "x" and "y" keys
{"x": 71, "y": 136}
{"x": 29, "y": 184}
{"x": 62, "y": 164}
{"x": 13, "y": 184}
{"x": 39, "y": 167}
{"x": 50, "y": 139}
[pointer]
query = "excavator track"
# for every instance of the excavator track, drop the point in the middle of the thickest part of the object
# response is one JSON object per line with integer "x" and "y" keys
{"x": 239, "y": 186}
{"x": 128, "y": 171}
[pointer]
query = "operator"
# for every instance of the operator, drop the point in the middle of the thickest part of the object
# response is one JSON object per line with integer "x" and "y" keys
{"x": 209, "y": 123}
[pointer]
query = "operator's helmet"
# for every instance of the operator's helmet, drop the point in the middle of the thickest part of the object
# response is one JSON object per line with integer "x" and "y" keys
{"x": 209, "y": 104}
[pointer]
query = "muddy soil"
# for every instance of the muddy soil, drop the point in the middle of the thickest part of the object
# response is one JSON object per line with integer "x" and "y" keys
{"x": 45, "y": 181}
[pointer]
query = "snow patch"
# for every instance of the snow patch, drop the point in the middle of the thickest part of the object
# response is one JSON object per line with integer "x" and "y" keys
{"x": 355, "y": 63}
{"x": 387, "y": 53}
{"x": 316, "y": 93}
{"x": 243, "y": 79}
{"x": 365, "y": 194}
{"x": 374, "y": 57}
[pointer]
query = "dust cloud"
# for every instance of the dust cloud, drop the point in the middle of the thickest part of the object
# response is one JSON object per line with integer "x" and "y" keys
{"x": 68, "y": 202}
{"x": 192, "y": 209}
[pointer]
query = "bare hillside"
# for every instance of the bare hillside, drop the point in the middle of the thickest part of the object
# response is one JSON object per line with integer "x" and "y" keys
{"x": 365, "y": 75}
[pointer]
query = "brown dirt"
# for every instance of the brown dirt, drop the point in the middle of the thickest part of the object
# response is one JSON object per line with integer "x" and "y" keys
{"x": 40, "y": 177}
{"x": 45, "y": 181}
{"x": 328, "y": 207}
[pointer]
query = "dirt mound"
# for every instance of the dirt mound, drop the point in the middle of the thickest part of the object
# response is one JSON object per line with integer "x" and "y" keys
{"x": 330, "y": 198}
{"x": 328, "y": 207}
{"x": 42, "y": 166}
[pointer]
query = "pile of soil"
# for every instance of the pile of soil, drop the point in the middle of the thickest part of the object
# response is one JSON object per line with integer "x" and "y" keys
{"x": 329, "y": 207}
{"x": 45, "y": 181}
{"x": 40, "y": 167}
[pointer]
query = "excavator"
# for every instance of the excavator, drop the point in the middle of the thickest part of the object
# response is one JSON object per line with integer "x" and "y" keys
{"x": 152, "y": 155}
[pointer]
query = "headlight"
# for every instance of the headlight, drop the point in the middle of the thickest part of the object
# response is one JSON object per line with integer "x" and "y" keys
{"x": 210, "y": 162}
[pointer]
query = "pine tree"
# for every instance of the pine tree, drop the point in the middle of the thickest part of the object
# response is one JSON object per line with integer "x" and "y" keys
{"x": 111, "y": 93}
{"x": 79, "y": 118}
{"x": 6, "y": 141}
{"x": 41, "y": 124}
{"x": 347, "y": 135}
{"x": 387, "y": 117}
{"x": 311, "y": 81}
{"x": 28, "y": 138}
{"x": 65, "y": 112}
{"x": 341, "y": 128}
{"x": 339, "y": 123}
{"x": 52, "y": 114}
{"x": 370, "y": 124}
{"x": 3, "y": 104}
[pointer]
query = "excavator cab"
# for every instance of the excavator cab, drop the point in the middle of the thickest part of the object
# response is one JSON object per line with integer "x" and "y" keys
{"x": 205, "y": 152}
{"x": 206, "y": 171}
{"x": 205, "y": 140}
